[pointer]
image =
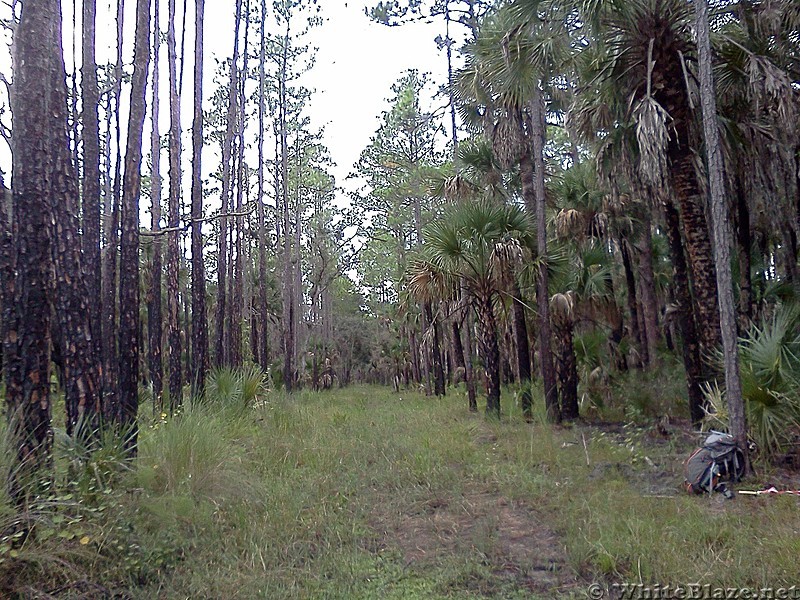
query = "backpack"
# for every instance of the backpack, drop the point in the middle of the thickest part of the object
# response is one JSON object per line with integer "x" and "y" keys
{"x": 720, "y": 460}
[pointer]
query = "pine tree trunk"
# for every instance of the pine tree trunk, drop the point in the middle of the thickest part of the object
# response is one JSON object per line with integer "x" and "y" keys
{"x": 91, "y": 173}
{"x": 289, "y": 335}
{"x": 722, "y": 233}
{"x": 200, "y": 360}
{"x": 263, "y": 308}
{"x": 221, "y": 354}
{"x": 173, "y": 248}
{"x": 129, "y": 240}
{"x": 71, "y": 303}
{"x": 110, "y": 330}
{"x": 27, "y": 317}
{"x": 154, "y": 317}
{"x": 542, "y": 293}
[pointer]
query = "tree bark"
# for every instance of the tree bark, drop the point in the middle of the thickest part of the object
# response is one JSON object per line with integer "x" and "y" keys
{"x": 567, "y": 370}
{"x": 200, "y": 360}
{"x": 630, "y": 283}
{"x": 221, "y": 354}
{"x": 647, "y": 291}
{"x": 491, "y": 355}
{"x": 129, "y": 240}
{"x": 542, "y": 293}
{"x": 263, "y": 308}
{"x": 27, "y": 317}
{"x": 523, "y": 351}
{"x": 173, "y": 248}
{"x": 91, "y": 173}
{"x": 154, "y": 317}
{"x": 722, "y": 233}
{"x": 683, "y": 299}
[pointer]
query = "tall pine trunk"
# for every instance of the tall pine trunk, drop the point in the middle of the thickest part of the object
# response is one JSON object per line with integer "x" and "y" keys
{"x": 542, "y": 293}
{"x": 27, "y": 317}
{"x": 200, "y": 359}
{"x": 91, "y": 172}
{"x": 154, "y": 293}
{"x": 262, "y": 330}
{"x": 129, "y": 240}
{"x": 173, "y": 247}
{"x": 722, "y": 232}
{"x": 221, "y": 354}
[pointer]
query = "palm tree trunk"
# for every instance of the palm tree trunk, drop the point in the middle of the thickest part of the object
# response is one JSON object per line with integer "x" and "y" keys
{"x": 567, "y": 369}
{"x": 523, "y": 350}
{"x": 129, "y": 240}
{"x": 491, "y": 355}
{"x": 199, "y": 320}
{"x": 744, "y": 242}
{"x": 647, "y": 291}
{"x": 683, "y": 298}
{"x": 438, "y": 372}
{"x": 469, "y": 371}
{"x": 630, "y": 282}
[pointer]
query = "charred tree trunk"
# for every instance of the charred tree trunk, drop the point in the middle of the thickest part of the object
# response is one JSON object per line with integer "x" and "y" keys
{"x": 200, "y": 360}
{"x": 262, "y": 330}
{"x": 129, "y": 241}
{"x": 647, "y": 292}
{"x": 221, "y": 354}
{"x": 91, "y": 173}
{"x": 173, "y": 247}
{"x": 154, "y": 317}
{"x": 630, "y": 283}
{"x": 438, "y": 371}
{"x": 27, "y": 316}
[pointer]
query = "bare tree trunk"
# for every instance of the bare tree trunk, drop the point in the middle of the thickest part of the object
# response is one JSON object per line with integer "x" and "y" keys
{"x": 491, "y": 356}
{"x": 721, "y": 230}
{"x": 262, "y": 333}
{"x": 237, "y": 296}
{"x": 27, "y": 318}
{"x": 173, "y": 248}
{"x": 110, "y": 331}
{"x": 154, "y": 293}
{"x": 200, "y": 361}
{"x": 542, "y": 293}
{"x": 82, "y": 371}
{"x": 129, "y": 241}
{"x": 221, "y": 355}
{"x": 91, "y": 173}
{"x": 469, "y": 371}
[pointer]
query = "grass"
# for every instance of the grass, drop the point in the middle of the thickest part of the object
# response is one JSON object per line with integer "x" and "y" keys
{"x": 363, "y": 493}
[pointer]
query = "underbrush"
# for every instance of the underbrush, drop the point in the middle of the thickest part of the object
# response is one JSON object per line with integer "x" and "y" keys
{"x": 365, "y": 493}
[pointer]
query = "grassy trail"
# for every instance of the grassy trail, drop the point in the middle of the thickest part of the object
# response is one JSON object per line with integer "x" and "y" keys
{"x": 362, "y": 493}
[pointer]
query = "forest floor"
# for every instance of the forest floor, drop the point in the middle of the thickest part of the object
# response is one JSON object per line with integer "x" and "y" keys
{"x": 365, "y": 493}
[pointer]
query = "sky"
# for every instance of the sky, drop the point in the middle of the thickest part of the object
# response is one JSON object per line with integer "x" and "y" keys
{"x": 356, "y": 63}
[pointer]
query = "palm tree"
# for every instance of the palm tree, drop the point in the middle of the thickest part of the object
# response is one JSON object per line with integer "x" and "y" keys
{"x": 473, "y": 243}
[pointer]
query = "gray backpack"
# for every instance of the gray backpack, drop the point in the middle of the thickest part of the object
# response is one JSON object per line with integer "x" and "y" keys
{"x": 718, "y": 462}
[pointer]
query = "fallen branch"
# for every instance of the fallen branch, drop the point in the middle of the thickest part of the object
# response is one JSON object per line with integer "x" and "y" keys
{"x": 151, "y": 233}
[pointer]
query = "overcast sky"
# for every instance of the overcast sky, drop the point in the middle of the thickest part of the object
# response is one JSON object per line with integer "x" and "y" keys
{"x": 357, "y": 62}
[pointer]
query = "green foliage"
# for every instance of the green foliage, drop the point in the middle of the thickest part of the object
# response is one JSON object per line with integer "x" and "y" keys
{"x": 769, "y": 369}
{"x": 238, "y": 389}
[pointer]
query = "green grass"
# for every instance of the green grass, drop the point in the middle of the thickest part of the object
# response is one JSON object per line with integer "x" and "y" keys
{"x": 363, "y": 493}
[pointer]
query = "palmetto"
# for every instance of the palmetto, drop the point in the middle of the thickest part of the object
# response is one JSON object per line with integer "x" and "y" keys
{"x": 475, "y": 244}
